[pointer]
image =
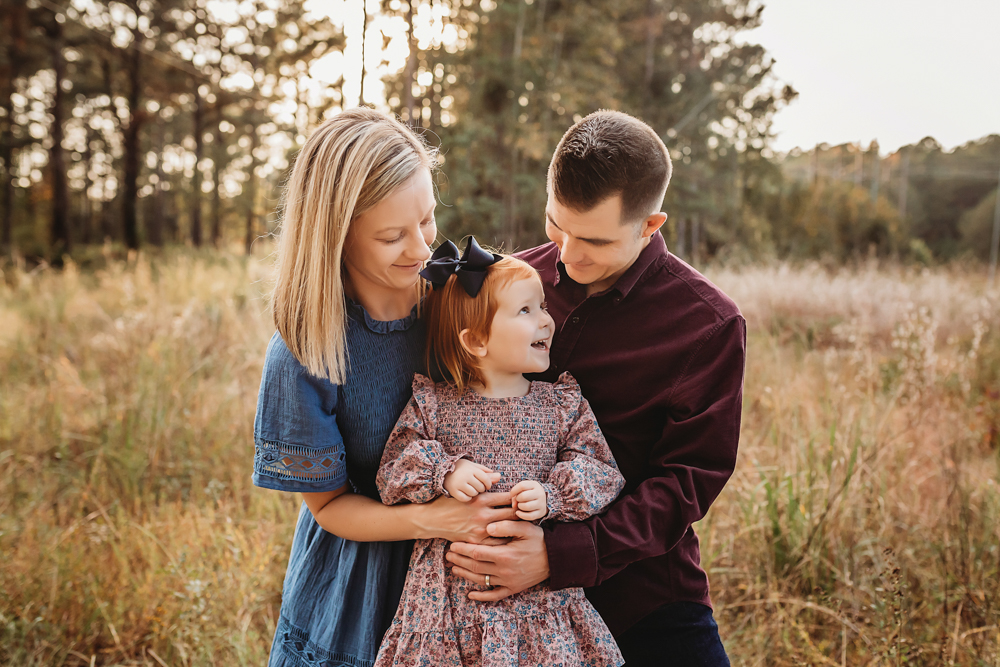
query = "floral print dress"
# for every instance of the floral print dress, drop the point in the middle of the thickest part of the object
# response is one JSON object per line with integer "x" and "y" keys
{"x": 549, "y": 435}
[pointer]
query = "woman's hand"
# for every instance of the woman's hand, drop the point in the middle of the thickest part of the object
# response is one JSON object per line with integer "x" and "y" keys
{"x": 468, "y": 479}
{"x": 458, "y": 521}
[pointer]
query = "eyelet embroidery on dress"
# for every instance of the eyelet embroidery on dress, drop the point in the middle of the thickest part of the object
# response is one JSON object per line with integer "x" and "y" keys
{"x": 296, "y": 642}
{"x": 307, "y": 464}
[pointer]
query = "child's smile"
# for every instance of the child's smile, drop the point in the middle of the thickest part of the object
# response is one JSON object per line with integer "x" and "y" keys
{"x": 521, "y": 335}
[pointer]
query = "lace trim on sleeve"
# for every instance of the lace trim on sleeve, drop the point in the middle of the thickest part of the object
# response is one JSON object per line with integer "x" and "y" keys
{"x": 301, "y": 464}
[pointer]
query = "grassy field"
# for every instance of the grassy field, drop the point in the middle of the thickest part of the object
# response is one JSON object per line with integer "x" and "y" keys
{"x": 862, "y": 526}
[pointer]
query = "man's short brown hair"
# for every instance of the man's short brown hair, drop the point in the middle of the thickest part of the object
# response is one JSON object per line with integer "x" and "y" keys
{"x": 606, "y": 154}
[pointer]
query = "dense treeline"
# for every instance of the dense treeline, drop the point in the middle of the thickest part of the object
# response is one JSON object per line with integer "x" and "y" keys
{"x": 173, "y": 121}
{"x": 523, "y": 71}
{"x": 920, "y": 201}
{"x": 151, "y": 121}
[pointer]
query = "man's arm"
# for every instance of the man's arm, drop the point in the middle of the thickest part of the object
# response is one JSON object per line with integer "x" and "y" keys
{"x": 689, "y": 465}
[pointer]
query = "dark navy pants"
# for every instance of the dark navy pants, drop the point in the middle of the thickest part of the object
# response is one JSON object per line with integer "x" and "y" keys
{"x": 679, "y": 634}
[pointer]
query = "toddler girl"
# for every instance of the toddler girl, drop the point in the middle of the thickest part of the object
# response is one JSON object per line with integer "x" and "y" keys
{"x": 489, "y": 428}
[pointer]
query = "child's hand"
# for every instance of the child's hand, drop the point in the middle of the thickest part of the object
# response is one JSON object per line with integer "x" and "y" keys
{"x": 529, "y": 500}
{"x": 468, "y": 480}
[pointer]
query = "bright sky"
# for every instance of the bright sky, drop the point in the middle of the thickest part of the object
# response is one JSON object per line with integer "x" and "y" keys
{"x": 429, "y": 30}
{"x": 892, "y": 70}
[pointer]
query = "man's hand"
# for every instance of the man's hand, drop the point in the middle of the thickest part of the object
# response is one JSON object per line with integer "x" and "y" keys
{"x": 513, "y": 567}
{"x": 529, "y": 500}
{"x": 468, "y": 480}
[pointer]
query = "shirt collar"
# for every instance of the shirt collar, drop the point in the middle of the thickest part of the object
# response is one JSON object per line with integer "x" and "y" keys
{"x": 654, "y": 251}
{"x": 358, "y": 312}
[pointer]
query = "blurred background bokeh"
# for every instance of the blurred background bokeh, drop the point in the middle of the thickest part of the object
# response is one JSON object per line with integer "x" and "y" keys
{"x": 164, "y": 122}
{"x": 143, "y": 147}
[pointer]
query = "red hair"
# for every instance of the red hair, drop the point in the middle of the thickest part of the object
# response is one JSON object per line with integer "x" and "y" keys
{"x": 450, "y": 310}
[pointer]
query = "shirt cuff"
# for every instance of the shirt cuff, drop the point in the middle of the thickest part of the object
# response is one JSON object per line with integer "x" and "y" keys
{"x": 572, "y": 555}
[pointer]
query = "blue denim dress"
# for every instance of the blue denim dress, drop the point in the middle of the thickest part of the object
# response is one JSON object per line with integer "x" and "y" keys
{"x": 310, "y": 435}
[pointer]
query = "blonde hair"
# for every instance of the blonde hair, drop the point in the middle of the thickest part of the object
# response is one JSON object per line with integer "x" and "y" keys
{"x": 450, "y": 310}
{"x": 350, "y": 163}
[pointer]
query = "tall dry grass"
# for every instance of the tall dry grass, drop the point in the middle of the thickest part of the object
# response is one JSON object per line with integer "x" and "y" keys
{"x": 129, "y": 529}
{"x": 861, "y": 526}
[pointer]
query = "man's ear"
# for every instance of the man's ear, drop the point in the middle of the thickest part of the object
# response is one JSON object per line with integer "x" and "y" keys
{"x": 471, "y": 343}
{"x": 653, "y": 223}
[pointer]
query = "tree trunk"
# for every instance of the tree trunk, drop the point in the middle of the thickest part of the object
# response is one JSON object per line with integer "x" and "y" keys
{"x": 7, "y": 212}
{"x": 904, "y": 186}
{"x": 169, "y": 197}
{"x": 87, "y": 207}
{"x": 876, "y": 175}
{"x": 411, "y": 65}
{"x": 152, "y": 220}
{"x": 199, "y": 153}
{"x": 30, "y": 201}
{"x": 130, "y": 176}
{"x": 540, "y": 16}
{"x": 435, "y": 97}
{"x": 550, "y": 77}
{"x": 859, "y": 166}
{"x": 107, "y": 225}
{"x": 15, "y": 44}
{"x": 251, "y": 187}
{"x": 513, "y": 223}
{"x": 695, "y": 240}
{"x": 59, "y": 226}
{"x": 154, "y": 216}
{"x": 7, "y": 157}
{"x": 364, "y": 37}
{"x": 174, "y": 206}
{"x": 650, "y": 48}
{"x": 218, "y": 152}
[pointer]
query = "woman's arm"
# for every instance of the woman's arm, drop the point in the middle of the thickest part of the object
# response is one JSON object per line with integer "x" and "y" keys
{"x": 356, "y": 517}
{"x": 410, "y": 481}
{"x": 298, "y": 447}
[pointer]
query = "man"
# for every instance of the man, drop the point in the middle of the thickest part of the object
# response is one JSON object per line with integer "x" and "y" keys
{"x": 659, "y": 352}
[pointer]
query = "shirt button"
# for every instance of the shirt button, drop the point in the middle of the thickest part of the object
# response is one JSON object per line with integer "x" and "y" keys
{"x": 576, "y": 320}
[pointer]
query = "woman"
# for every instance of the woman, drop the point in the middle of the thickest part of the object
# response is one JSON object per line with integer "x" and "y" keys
{"x": 358, "y": 222}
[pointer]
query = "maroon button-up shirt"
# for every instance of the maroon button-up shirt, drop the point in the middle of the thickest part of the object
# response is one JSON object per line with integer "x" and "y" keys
{"x": 660, "y": 356}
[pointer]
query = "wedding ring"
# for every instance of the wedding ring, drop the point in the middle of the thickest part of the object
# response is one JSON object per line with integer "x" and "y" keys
{"x": 488, "y": 581}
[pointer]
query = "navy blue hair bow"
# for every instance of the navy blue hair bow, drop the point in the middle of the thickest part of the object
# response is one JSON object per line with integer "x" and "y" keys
{"x": 470, "y": 268}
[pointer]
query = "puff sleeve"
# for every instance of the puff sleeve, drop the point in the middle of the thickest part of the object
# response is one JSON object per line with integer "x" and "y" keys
{"x": 297, "y": 443}
{"x": 414, "y": 463}
{"x": 586, "y": 479}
